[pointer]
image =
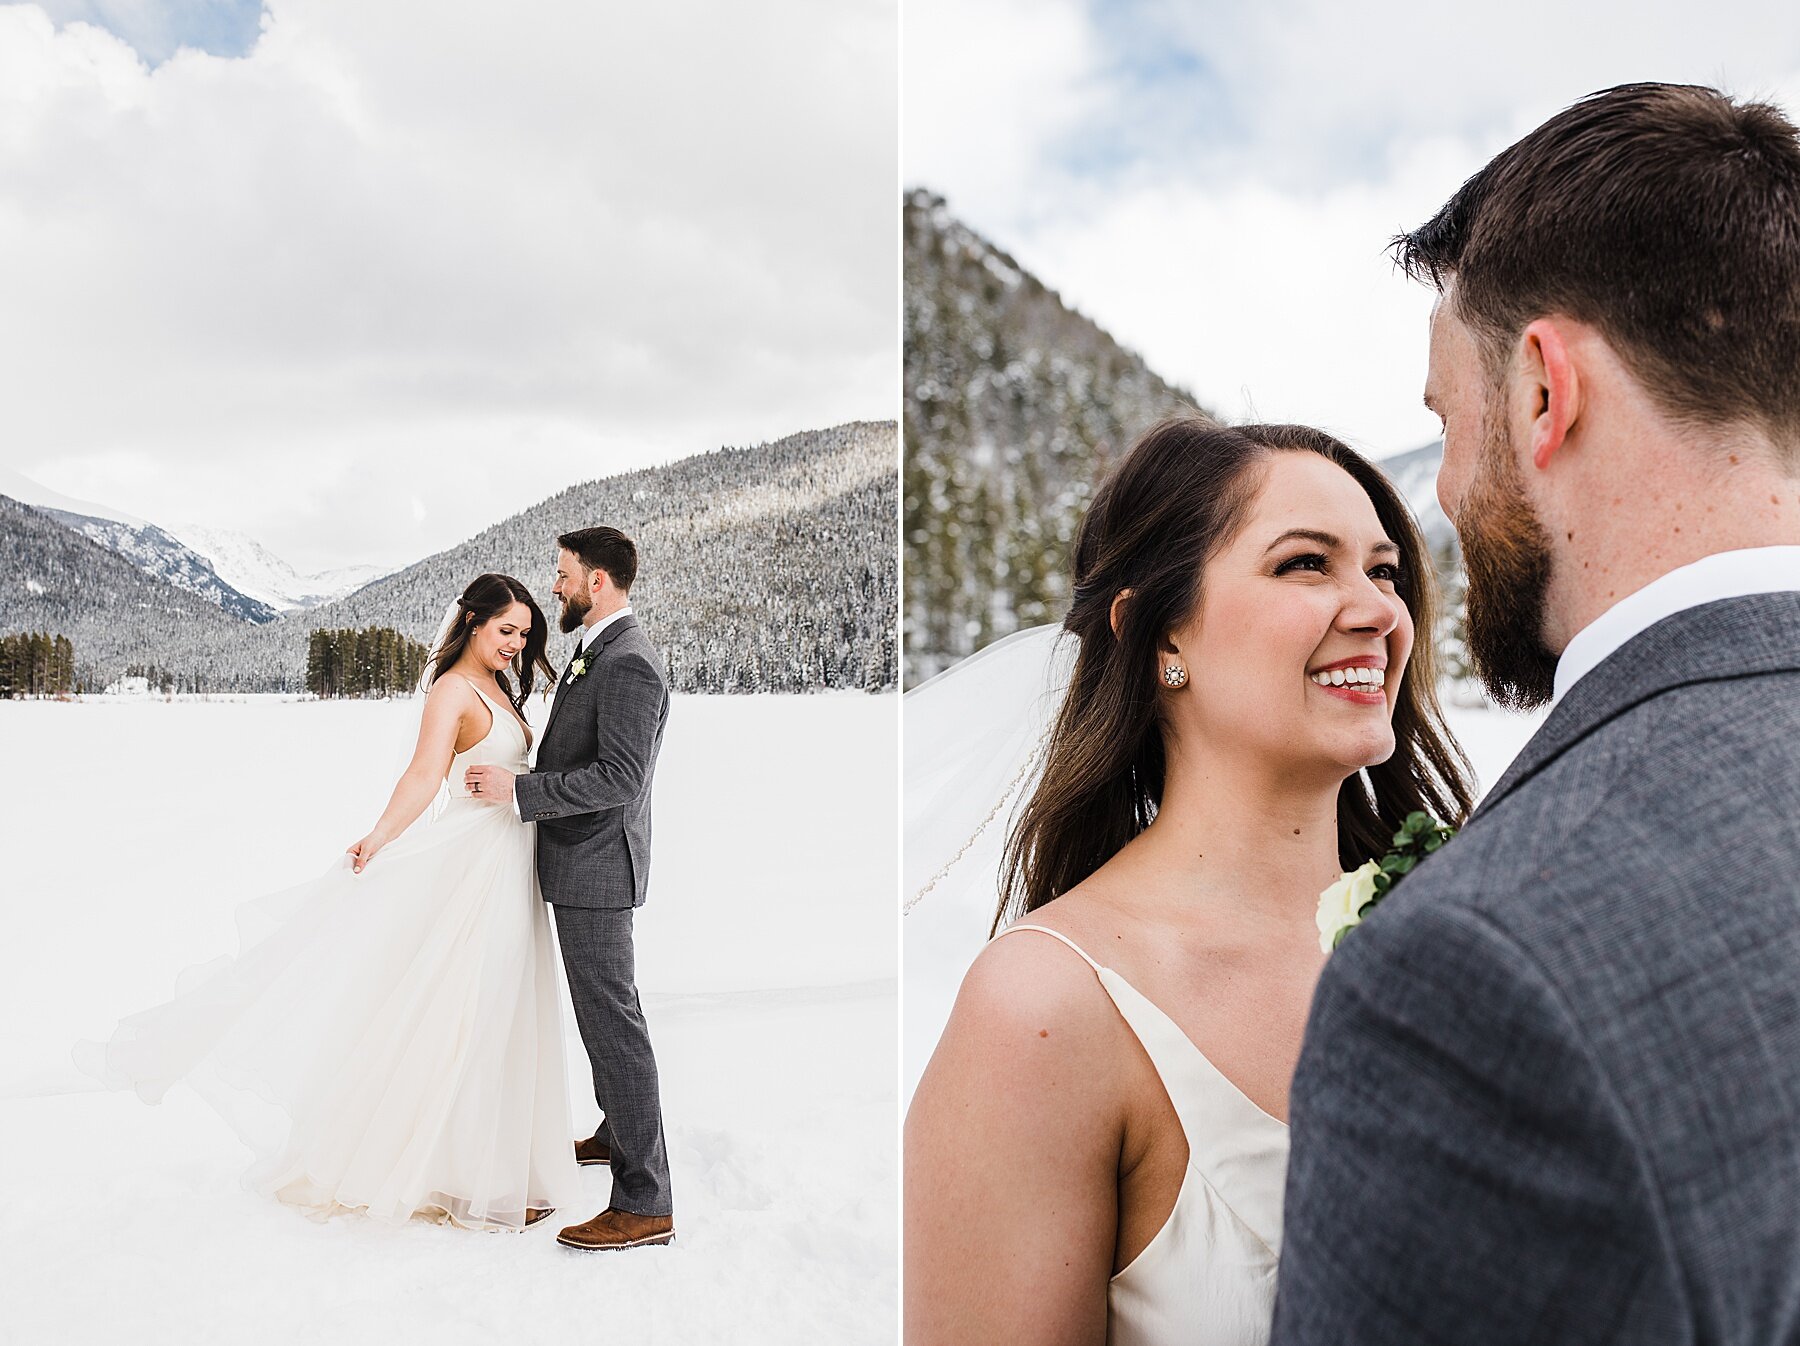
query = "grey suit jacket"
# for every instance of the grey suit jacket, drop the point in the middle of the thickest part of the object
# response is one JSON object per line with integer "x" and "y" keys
{"x": 1550, "y": 1090}
{"x": 589, "y": 792}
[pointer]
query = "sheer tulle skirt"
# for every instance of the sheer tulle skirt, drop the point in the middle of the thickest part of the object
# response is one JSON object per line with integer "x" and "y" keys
{"x": 389, "y": 1041}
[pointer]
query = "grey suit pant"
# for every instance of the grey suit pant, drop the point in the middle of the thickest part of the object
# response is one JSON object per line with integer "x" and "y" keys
{"x": 602, "y": 971}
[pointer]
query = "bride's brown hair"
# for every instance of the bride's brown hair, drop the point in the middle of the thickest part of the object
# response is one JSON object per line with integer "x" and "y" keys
{"x": 487, "y": 597}
{"x": 1173, "y": 501}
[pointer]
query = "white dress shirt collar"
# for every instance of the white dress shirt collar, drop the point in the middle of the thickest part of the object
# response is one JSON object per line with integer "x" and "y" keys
{"x": 590, "y": 633}
{"x": 1726, "y": 574}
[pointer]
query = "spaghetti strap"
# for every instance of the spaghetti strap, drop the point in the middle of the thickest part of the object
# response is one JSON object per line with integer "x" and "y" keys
{"x": 1054, "y": 934}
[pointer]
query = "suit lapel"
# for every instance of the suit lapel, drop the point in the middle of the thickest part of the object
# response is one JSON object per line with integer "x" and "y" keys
{"x": 565, "y": 688}
{"x": 1730, "y": 638}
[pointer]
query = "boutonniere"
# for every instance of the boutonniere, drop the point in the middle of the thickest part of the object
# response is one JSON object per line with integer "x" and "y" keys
{"x": 578, "y": 667}
{"x": 1343, "y": 905}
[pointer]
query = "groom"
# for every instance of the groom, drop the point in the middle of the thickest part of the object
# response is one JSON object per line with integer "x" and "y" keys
{"x": 589, "y": 794}
{"x": 1550, "y": 1090}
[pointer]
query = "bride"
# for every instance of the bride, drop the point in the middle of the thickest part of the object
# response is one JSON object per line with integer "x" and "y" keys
{"x": 389, "y": 1040}
{"x": 1097, "y": 1149}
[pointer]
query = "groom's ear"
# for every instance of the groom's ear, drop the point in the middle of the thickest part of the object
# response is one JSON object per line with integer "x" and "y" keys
{"x": 1549, "y": 386}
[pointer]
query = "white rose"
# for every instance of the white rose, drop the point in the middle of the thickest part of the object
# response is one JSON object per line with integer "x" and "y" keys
{"x": 1341, "y": 905}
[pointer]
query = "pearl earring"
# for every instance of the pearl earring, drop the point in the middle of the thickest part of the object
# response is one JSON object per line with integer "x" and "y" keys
{"x": 1174, "y": 676}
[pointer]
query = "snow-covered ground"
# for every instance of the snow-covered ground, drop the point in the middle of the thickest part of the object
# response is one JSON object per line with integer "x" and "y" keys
{"x": 766, "y": 955}
{"x": 947, "y": 928}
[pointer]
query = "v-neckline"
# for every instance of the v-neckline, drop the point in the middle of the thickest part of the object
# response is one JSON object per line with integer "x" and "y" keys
{"x": 1212, "y": 1067}
{"x": 494, "y": 709}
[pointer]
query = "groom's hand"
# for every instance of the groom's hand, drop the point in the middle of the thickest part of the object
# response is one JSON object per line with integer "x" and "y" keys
{"x": 490, "y": 784}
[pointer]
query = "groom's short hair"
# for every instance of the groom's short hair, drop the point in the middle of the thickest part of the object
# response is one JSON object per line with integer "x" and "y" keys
{"x": 604, "y": 549}
{"x": 1668, "y": 216}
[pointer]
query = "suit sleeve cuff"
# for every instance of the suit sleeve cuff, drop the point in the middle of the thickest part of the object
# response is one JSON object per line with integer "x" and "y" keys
{"x": 523, "y": 785}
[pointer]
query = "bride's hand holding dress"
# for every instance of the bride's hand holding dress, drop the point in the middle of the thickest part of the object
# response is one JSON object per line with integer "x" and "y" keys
{"x": 453, "y": 715}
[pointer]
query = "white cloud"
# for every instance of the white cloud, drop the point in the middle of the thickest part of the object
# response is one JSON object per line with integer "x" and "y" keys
{"x": 991, "y": 88}
{"x": 1224, "y": 202}
{"x": 1266, "y": 304}
{"x": 451, "y": 252}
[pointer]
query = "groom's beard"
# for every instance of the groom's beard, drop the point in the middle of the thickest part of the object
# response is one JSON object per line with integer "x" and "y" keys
{"x": 1506, "y": 553}
{"x": 572, "y": 615}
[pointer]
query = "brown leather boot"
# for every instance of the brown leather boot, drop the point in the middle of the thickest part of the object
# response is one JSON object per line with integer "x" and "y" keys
{"x": 613, "y": 1229}
{"x": 592, "y": 1151}
{"x": 536, "y": 1213}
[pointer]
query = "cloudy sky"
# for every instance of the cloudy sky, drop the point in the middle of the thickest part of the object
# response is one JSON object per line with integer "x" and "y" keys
{"x": 1215, "y": 183}
{"x": 361, "y": 279}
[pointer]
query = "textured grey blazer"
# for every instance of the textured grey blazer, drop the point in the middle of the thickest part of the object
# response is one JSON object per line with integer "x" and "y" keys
{"x": 589, "y": 792}
{"x": 1550, "y": 1090}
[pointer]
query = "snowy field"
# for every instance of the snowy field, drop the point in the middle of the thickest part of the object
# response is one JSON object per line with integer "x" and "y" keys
{"x": 948, "y": 927}
{"x": 766, "y": 956}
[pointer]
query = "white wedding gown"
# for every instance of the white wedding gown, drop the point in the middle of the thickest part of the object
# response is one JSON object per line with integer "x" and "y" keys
{"x": 390, "y": 1041}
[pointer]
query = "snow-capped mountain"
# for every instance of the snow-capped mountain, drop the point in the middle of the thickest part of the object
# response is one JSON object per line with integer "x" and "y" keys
{"x": 1415, "y": 472}
{"x": 54, "y": 579}
{"x": 252, "y": 569}
{"x": 767, "y": 568}
{"x": 152, "y": 550}
{"x": 167, "y": 558}
{"x": 229, "y": 569}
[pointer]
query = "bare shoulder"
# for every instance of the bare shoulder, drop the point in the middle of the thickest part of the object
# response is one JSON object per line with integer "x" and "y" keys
{"x": 1029, "y": 971}
{"x": 451, "y": 700}
{"x": 1013, "y": 1142}
{"x": 451, "y": 690}
{"x": 1031, "y": 1005}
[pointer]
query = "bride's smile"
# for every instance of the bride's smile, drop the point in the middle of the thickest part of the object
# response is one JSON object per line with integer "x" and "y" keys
{"x": 1300, "y": 636}
{"x": 1359, "y": 681}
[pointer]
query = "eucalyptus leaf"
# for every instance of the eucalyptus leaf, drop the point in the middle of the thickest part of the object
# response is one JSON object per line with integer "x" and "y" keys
{"x": 1419, "y": 836}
